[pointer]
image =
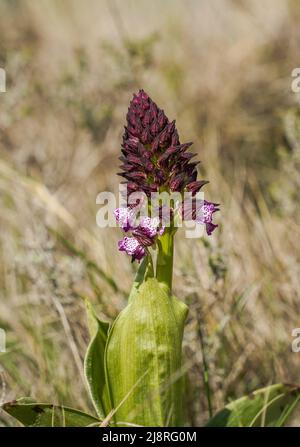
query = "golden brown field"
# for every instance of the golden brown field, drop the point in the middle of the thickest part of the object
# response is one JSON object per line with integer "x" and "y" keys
{"x": 222, "y": 69}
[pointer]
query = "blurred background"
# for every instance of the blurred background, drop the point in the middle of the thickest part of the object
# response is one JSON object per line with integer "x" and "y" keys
{"x": 222, "y": 69}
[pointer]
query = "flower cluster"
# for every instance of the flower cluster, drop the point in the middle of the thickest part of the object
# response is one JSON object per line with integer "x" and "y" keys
{"x": 152, "y": 155}
{"x": 154, "y": 161}
{"x": 144, "y": 233}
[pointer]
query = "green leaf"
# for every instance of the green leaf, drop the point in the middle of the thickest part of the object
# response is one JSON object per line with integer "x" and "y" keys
{"x": 270, "y": 406}
{"x": 143, "y": 358}
{"x": 94, "y": 368}
{"x": 145, "y": 271}
{"x": 31, "y": 413}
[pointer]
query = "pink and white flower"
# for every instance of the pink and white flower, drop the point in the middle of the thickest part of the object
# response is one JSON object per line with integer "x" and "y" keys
{"x": 143, "y": 236}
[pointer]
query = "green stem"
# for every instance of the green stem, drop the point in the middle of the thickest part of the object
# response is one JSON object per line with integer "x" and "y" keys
{"x": 205, "y": 371}
{"x": 164, "y": 263}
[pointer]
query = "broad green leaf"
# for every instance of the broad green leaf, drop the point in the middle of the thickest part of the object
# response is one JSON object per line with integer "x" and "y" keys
{"x": 143, "y": 358}
{"x": 94, "y": 369}
{"x": 270, "y": 406}
{"x": 31, "y": 413}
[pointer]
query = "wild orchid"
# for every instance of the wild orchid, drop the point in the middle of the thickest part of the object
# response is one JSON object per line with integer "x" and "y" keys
{"x": 133, "y": 368}
{"x": 144, "y": 344}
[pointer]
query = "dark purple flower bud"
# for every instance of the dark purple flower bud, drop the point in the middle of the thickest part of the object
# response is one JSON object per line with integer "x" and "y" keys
{"x": 147, "y": 118}
{"x": 155, "y": 128}
{"x": 164, "y": 136}
{"x": 149, "y": 166}
{"x": 153, "y": 111}
{"x": 175, "y": 138}
{"x": 134, "y": 160}
{"x": 195, "y": 187}
{"x": 145, "y": 135}
{"x": 142, "y": 237}
{"x": 155, "y": 145}
{"x": 143, "y": 151}
{"x": 177, "y": 182}
{"x": 127, "y": 167}
{"x": 161, "y": 119}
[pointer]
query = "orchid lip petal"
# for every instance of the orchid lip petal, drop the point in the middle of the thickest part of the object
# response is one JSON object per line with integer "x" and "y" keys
{"x": 125, "y": 217}
{"x": 132, "y": 247}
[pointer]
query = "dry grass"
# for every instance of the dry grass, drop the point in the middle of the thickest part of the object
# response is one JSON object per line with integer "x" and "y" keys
{"x": 222, "y": 68}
